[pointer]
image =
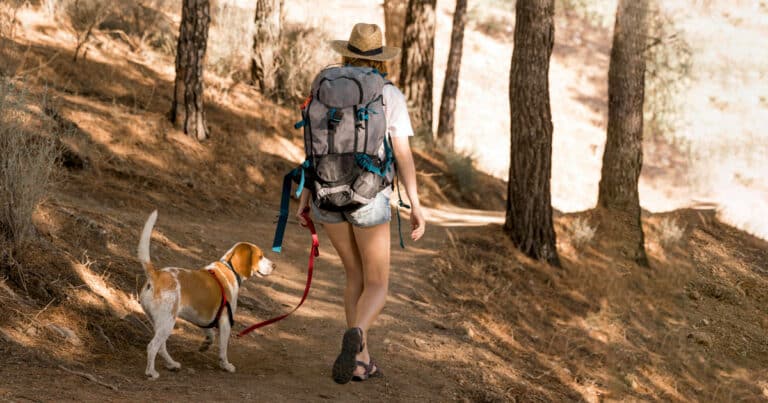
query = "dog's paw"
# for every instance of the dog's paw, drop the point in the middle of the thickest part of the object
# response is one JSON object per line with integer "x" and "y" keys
{"x": 152, "y": 374}
{"x": 227, "y": 366}
{"x": 204, "y": 347}
{"x": 173, "y": 366}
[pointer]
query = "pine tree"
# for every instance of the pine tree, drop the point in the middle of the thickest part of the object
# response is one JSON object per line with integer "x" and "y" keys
{"x": 187, "y": 110}
{"x": 529, "y": 209}
{"x": 445, "y": 127}
{"x": 623, "y": 156}
{"x": 417, "y": 63}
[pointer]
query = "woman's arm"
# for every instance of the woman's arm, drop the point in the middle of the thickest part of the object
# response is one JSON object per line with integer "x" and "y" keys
{"x": 406, "y": 170}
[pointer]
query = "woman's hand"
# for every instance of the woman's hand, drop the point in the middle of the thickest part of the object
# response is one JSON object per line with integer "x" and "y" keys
{"x": 418, "y": 223}
{"x": 303, "y": 208}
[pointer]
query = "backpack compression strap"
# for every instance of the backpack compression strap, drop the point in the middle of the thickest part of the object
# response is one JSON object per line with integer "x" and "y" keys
{"x": 285, "y": 201}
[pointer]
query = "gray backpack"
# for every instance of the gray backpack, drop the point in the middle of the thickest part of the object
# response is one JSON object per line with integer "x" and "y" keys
{"x": 349, "y": 159}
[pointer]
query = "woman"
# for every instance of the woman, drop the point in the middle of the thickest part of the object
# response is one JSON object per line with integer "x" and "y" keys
{"x": 362, "y": 237}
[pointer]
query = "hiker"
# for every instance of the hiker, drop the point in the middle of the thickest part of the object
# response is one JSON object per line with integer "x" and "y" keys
{"x": 361, "y": 236}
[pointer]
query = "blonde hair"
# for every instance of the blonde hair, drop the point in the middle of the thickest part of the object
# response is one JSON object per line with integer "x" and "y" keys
{"x": 376, "y": 64}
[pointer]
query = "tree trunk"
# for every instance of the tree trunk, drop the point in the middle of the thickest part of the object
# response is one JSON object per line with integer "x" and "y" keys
{"x": 623, "y": 156}
{"x": 187, "y": 111}
{"x": 417, "y": 64}
{"x": 394, "y": 24}
{"x": 445, "y": 131}
{"x": 266, "y": 41}
{"x": 529, "y": 209}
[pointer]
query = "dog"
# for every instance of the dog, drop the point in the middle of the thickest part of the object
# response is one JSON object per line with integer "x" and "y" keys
{"x": 205, "y": 297}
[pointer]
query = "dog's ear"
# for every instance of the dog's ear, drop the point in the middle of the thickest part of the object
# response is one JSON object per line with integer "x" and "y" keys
{"x": 241, "y": 259}
{"x": 256, "y": 256}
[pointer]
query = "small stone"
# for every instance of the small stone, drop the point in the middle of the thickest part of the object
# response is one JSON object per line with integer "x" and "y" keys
{"x": 701, "y": 338}
{"x": 469, "y": 332}
{"x": 67, "y": 333}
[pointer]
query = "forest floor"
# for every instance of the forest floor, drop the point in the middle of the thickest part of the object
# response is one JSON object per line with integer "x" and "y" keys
{"x": 467, "y": 318}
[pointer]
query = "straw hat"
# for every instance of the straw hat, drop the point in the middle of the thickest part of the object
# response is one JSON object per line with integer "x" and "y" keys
{"x": 365, "y": 43}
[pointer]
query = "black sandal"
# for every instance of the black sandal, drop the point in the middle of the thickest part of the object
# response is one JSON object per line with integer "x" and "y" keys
{"x": 345, "y": 364}
{"x": 368, "y": 374}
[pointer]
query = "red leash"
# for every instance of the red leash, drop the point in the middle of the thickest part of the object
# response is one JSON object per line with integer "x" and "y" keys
{"x": 314, "y": 252}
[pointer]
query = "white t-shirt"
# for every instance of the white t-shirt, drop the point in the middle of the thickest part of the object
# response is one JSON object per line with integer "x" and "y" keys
{"x": 396, "y": 112}
{"x": 398, "y": 121}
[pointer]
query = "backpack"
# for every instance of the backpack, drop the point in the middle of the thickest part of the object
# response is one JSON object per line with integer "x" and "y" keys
{"x": 349, "y": 160}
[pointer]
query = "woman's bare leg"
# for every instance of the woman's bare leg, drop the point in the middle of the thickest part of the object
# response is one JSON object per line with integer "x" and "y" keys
{"x": 343, "y": 241}
{"x": 373, "y": 244}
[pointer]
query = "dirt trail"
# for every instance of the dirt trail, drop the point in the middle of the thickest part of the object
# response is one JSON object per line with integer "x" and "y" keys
{"x": 288, "y": 361}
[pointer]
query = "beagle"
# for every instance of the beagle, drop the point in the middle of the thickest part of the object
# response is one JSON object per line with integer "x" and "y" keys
{"x": 199, "y": 296}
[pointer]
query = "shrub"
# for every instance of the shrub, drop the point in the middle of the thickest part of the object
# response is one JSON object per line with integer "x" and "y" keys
{"x": 461, "y": 166}
{"x": 670, "y": 233}
{"x": 85, "y": 15}
{"x": 494, "y": 18}
{"x": 145, "y": 21}
{"x": 27, "y": 163}
{"x": 582, "y": 233}
{"x": 304, "y": 51}
{"x": 667, "y": 75}
{"x": 230, "y": 39}
{"x": 8, "y": 12}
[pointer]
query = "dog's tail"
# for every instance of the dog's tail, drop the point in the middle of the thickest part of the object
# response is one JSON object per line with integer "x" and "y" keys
{"x": 146, "y": 235}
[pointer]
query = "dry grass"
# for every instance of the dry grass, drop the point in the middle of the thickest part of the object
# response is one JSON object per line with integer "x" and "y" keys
{"x": 27, "y": 163}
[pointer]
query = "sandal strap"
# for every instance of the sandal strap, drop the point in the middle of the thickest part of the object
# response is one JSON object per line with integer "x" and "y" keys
{"x": 367, "y": 366}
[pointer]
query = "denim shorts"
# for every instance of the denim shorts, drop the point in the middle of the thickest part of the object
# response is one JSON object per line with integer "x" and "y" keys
{"x": 374, "y": 213}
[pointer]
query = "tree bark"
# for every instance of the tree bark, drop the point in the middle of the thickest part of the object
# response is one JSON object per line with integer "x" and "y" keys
{"x": 445, "y": 127}
{"x": 266, "y": 41}
{"x": 187, "y": 111}
{"x": 417, "y": 64}
{"x": 623, "y": 156}
{"x": 394, "y": 25}
{"x": 529, "y": 209}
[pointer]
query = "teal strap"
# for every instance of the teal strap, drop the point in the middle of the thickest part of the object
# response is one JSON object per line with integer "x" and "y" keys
{"x": 364, "y": 113}
{"x": 299, "y": 124}
{"x": 400, "y": 229}
{"x": 400, "y": 203}
{"x": 285, "y": 200}
{"x": 300, "y": 171}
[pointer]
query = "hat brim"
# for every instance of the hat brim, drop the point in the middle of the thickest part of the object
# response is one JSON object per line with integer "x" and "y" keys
{"x": 387, "y": 52}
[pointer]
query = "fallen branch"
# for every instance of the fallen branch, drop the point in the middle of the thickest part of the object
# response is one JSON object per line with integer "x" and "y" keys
{"x": 104, "y": 335}
{"x": 88, "y": 377}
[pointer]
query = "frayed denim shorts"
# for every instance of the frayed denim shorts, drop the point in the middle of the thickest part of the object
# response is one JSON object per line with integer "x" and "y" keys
{"x": 374, "y": 213}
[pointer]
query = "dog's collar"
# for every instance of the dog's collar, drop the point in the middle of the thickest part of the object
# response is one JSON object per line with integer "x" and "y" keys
{"x": 229, "y": 266}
